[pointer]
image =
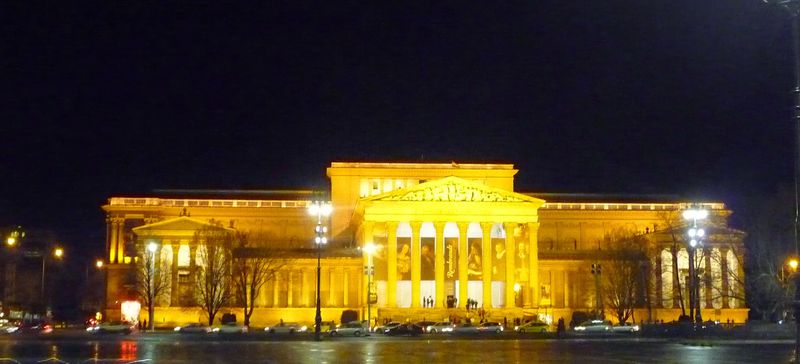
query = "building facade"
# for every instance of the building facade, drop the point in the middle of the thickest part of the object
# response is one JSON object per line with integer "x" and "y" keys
{"x": 445, "y": 235}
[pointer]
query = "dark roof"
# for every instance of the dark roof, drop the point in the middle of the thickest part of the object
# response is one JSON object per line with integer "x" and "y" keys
{"x": 236, "y": 194}
{"x": 610, "y": 197}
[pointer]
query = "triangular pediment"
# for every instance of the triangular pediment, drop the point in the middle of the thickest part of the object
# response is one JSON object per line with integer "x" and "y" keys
{"x": 183, "y": 223}
{"x": 453, "y": 189}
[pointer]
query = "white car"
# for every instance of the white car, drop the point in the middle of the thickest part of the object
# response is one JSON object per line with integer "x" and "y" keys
{"x": 440, "y": 327}
{"x": 193, "y": 329}
{"x": 286, "y": 328}
{"x": 230, "y": 328}
{"x": 626, "y": 328}
{"x": 596, "y": 326}
{"x": 494, "y": 327}
{"x": 353, "y": 328}
{"x": 113, "y": 327}
{"x": 466, "y": 328}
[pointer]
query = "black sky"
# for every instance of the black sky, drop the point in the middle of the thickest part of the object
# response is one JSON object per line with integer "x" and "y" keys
{"x": 119, "y": 98}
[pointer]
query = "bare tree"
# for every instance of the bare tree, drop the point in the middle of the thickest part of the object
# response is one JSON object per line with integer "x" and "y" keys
{"x": 213, "y": 271}
{"x": 673, "y": 223}
{"x": 624, "y": 265}
{"x": 152, "y": 281}
{"x": 254, "y": 264}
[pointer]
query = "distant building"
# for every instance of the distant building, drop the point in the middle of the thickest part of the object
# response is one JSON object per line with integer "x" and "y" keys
{"x": 447, "y": 234}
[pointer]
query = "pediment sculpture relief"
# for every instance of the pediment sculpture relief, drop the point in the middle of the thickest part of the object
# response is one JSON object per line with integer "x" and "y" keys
{"x": 452, "y": 192}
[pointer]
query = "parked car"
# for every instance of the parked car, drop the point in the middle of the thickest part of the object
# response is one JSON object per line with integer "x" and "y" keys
{"x": 353, "y": 328}
{"x": 424, "y": 324}
{"x": 384, "y": 328}
{"x": 230, "y": 328}
{"x": 625, "y": 328}
{"x": 404, "y": 329}
{"x": 113, "y": 327}
{"x": 465, "y": 328}
{"x": 494, "y": 327}
{"x": 286, "y": 328}
{"x": 594, "y": 326}
{"x": 440, "y": 327}
{"x": 193, "y": 329}
{"x": 532, "y": 326}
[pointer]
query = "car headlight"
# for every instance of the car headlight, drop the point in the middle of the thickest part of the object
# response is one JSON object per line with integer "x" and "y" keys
{"x": 266, "y": 328}
{"x": 447, "y": 329}
{"x": 177, "y": 329}
{"x": 304, "y": 328}
{"x": 579, "y": 328}
{"x": 635, "y": 327}
{"x": 216, "y": 329}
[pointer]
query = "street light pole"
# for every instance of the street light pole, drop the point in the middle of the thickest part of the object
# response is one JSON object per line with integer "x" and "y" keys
{"x": 319, "y": 209}
{"x": 370, "y": 270}
{"x": 696, "y": 235}
{"x": 58, "y": 253}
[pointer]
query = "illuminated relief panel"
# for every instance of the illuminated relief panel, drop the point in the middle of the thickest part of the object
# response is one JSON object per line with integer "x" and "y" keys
{"x": 428, "y": 251}
{"x": 451, "y": 264}
{"x": 666, "y": 279}
{"x": 380, "y": 264}
{"x": 404, "y": 253}
{"x": 498, "y": 244}
{"x": 475, "y": 263}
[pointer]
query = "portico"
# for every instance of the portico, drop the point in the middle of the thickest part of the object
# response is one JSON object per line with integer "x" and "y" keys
{"x": 482, "y": 241}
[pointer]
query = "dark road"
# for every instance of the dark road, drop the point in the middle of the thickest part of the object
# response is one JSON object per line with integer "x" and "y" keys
{"x": 149, "y": 348}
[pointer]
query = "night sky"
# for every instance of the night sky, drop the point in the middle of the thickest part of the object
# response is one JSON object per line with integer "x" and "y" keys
{"x": 636, "y": 97}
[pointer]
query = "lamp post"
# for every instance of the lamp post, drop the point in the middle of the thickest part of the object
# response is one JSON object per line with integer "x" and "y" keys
{"x": 696, "y": 235}
{"x": 151, "y": 247}
{"x": 58, "y": 253}
{"x": 370, "y": 249}
{"x": 319, "y": 209}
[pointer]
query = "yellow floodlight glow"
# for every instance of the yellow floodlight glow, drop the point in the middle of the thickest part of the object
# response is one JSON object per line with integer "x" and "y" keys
{"x": 98, "y": 264}
{"x": 793, "y": 264}
{"x": 58, "y": 252}
{"x": 370, "y": 248}
{"x": 11, "y": 241}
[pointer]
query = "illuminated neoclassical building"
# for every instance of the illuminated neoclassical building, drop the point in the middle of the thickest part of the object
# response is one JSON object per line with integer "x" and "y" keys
{"x": 447, "y": 234}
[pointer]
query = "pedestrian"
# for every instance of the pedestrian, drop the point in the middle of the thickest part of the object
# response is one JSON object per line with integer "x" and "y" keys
{"x": 561, "y": 329}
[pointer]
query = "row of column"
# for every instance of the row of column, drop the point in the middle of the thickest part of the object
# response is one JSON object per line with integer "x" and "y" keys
{"x": 532, "y": 290}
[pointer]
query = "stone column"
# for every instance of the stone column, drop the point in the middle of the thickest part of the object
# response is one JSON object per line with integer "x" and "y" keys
{"x": 707, "y": 279}
{"x": 725, "y": 284}
{"x": 289, "y": 289}
{"x": 120, "y": 240}
{"x": 391, "y": 266}
{"x": 345, "y": 287}
{"x": 463, "y": 276}
{"x": 533, "y": 269}
{"x": 659, "y": 294}
{"x": 510, "y": 266}
{"x": 276, "y": 290}
{"x": 114, "y": 252}
{"x": 174, "y": 294}
{"x": 439, "y": 268}
{"x": 415, "y": 264}
{"x": 331, "y": 273}
{"x": 566, "y": 289}
{"x": 486, "y": 259}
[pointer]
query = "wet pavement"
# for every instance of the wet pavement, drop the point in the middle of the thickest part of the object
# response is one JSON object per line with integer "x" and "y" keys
{"x": 173, "y": 348}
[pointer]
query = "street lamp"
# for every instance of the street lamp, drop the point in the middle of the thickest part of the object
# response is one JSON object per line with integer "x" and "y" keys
{"x": 696, "y": 236}
{"x": 319, "y": 209}
{"x": 370, "y": 249}
{"x": 58, "y": 253}
{"x": 152, "y": 247}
